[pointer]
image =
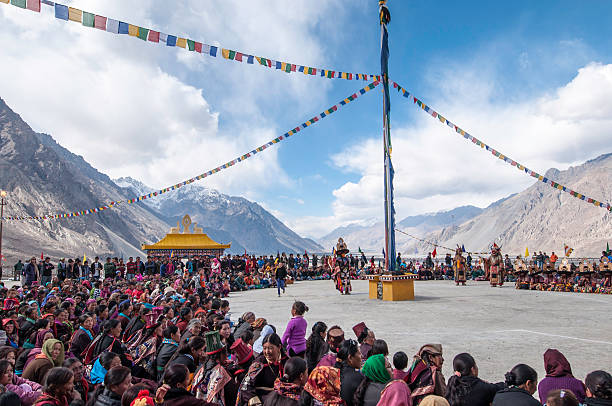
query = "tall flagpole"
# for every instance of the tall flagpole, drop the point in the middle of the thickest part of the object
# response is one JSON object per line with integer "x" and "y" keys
{"x": 385, "y": 18}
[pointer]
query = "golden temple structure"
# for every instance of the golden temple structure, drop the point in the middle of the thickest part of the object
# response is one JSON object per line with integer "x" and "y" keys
{"x": 185, "y": 243}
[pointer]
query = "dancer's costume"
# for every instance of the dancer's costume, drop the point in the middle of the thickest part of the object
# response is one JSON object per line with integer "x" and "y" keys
{"x": 496, "y": 269}
{"x": 342, "y": 274}
{"x": 460, "y": 267}
{"x": 522, "y": 274}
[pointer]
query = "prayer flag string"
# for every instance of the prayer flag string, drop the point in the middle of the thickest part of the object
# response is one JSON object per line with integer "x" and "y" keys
{"x": 91, "y": 20}
{"x": 496, "y": 152}
{"x": 219, "y": 168}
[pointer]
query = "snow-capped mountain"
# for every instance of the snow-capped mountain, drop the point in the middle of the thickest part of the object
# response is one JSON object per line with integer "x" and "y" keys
{"x": 224, "y": 218}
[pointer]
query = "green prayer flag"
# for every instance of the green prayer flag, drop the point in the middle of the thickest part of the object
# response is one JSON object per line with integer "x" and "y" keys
{"x": 232, "y": 54}
{"x": 88, "y": 19}
{"x": 191, "y": 44}
{"x": 19, "y": 3}
{"x": 288, "y": 67}
{"x": 143, "y": 33}
{"x": 329, "y": 74}
{"x": 607, "y": 247}
{"x": 263, "y": 61}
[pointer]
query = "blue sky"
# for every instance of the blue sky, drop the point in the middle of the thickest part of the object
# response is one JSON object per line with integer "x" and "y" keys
{"x": 511, "y": 73}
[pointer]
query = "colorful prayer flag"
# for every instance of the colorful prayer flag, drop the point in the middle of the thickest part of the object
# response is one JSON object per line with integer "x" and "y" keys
{"x": 19, "y": 3}
{"x": 33, "y": 5}
{"x": 526, "y": 252}
{"x": 100, "y": 22}
{"x": 88, "y": 19}
{"x": 74, "y": 14}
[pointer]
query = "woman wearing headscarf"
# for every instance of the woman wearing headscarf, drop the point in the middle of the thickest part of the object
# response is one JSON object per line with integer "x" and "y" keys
{"x": 559, "y": 376}
{"x": 194, "y": 328}
{"x": 425, "y": 375}
{"x": 143, "y": 348}
{"x": 377, "y": 372}
{"x": 396, "y": 393}
{"x": 323, "y": 387}
{"x": 258, "y": 326}
{"x": 52, "y": 355}
{"x": 258, "y": 345}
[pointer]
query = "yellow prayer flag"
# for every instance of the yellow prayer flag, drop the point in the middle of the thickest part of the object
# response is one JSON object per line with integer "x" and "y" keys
{"x": 74, "y": 14}
{"x": 225, "y": 53}
{"x": 181, "y": 42}
{"x": 84, "y": 258}
{"x": 133, "y": 30}
{"x": 526, "y": 253}
{"x": 4, "y": 1}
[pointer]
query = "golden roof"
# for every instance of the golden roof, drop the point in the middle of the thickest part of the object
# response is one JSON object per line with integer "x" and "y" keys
{"x": 186, "y": 240}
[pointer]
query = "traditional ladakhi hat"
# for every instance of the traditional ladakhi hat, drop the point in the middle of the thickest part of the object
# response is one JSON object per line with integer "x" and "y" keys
{"x": 335, "y": 337}
{"x": 143, "y": 399}
{"x": 433, "y": 349}
{"x": 150, "y": 320}
{"x": 360, "y": 330}
{"x": 341, "y": 247}
{"x": 213, "y": 342}
{"x": 242, "y": 350}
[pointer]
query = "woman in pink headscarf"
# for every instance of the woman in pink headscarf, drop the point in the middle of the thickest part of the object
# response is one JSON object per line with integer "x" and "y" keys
{"x": 396, "y": 393}
{"x": 215, "y": 266}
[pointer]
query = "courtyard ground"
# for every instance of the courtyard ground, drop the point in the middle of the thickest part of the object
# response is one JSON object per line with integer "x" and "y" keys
{"x": 500, "y": 327}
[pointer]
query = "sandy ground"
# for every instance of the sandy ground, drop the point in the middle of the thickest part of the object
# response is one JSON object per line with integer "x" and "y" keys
{"x": 500, "y": 327}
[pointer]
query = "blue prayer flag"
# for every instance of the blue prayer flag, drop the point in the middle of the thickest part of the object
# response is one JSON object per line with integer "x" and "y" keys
{"x": 61, "y": 11}
{"x": 170, "y": 41}
{"x": 124, "y": 28}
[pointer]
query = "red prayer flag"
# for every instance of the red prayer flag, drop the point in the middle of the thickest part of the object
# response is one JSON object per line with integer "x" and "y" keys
{"x": 434, "y": 253}
{"x": 153, "y": 36}
{"x": 41, "y": 256}
{"x": 238, "y": 57}
{"x": 198, "y": 47}
{"x": 293, "y": 67}
{"x": 100, "y": 22}
{"x": 33, "y": 5}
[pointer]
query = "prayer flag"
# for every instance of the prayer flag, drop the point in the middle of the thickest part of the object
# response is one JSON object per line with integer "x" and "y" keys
{"x": 171, "y": 41}
{"x": 84, "y": 258}
{"x": 526, "y": 252}
{"x": 74, "y": 14}
{"x": 250, "y": 59}
{"x": 191, "y": 45}
{"x": 153, "y": 36}
{"x": 225, "y": 53}
{"x": 198, "y": 47}
{"x": 61, "y": 11}
{"x": 6, "y": 2}
{"x": 88, "y": 19}
{"x": 123, "y": 28}
{"x": 100, "y": 22}
{"x": 143, "y": 33}
{"x": 238, "y": 57}
{"x": 112, "y": 26}
{"x": 33, "y": 5}
{"x": 213, "y": 51}
{"x": 434, "y": 253}
{"x": 19, "y": 3}
{"x": 133, "y": 30}
{"x": 181, "y": 42}
{"x": 607, "y": 247}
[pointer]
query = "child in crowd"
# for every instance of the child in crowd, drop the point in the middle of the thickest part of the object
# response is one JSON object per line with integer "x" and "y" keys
{"x": 400, "y": 363}
{"x": 295, "y": 334}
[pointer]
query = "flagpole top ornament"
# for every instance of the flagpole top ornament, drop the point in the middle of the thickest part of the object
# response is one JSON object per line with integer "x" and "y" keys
{"x": 385, "y": 15}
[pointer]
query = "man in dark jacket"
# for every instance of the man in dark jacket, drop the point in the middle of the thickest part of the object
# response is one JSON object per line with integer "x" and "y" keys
{"x": 281, "y": 275}
{"x": 110, "y": 270}
{"x": 47, "y": 269}
{"x": 31, "y": 272}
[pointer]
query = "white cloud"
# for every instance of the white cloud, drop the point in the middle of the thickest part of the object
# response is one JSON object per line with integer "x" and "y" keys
{"x": 131, "y": 110}
{"x": 436, "y": 169}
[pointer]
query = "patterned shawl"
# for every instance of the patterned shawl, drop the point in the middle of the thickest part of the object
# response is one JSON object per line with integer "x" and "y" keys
{"x": 324, "y": 385}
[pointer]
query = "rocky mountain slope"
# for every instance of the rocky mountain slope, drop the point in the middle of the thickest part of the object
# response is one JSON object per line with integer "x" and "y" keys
{"x": 42, "y": 177}
{"x": 543, "y": 218}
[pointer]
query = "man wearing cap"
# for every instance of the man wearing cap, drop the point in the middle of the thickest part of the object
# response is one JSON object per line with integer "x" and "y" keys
{"x": 365, "y": 338}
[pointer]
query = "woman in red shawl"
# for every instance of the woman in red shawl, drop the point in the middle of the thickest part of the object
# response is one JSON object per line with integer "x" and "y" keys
{"x": 323, "y": 386}
{"x": 559, "y": 376}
